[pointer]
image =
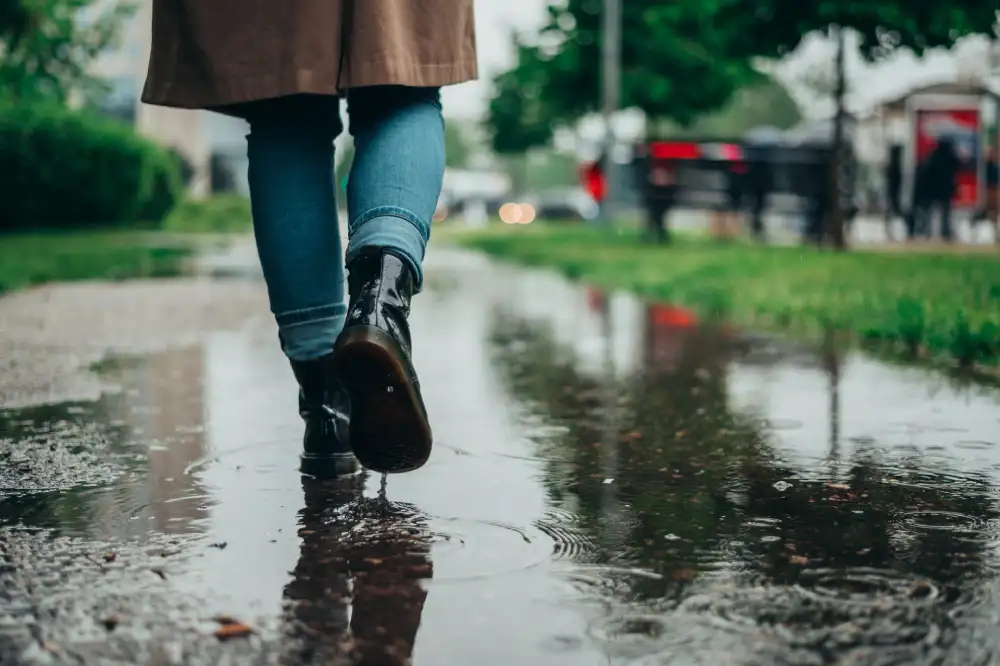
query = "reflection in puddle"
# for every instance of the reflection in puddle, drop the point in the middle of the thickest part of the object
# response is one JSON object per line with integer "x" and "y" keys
{"x": 845, "y": 546}
{"x": 113, "y": 468}
{"x": 613, "y": 483}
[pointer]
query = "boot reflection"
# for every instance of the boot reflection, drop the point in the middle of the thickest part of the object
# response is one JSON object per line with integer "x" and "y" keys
{"x": 356, "y": 595}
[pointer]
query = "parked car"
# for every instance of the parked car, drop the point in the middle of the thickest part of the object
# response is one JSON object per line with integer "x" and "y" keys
{"x": 572, "y": 205}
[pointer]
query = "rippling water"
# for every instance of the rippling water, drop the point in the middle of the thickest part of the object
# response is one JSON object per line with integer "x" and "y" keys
{"x": 612, "y": 483}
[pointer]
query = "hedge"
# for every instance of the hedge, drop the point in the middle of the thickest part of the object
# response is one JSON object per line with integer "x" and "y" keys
{"x": 61, "y": 168}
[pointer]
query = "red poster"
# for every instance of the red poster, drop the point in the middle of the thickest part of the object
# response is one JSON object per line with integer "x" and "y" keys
{"x": 962, "y": 126}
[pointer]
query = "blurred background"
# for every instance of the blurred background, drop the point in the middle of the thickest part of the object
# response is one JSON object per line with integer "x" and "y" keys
{"x": 544, "y": 113}
{"x": 778, "y": 311}
{"x": 832, "y": 125}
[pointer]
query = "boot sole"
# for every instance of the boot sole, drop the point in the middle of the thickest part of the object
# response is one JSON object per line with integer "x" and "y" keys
{"x": 389, "y": 432}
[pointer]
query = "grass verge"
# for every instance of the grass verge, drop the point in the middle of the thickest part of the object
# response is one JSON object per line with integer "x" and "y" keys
{"x": 220, "y": 214}
{"x": 34, "y": 258}
{"x": 932, "y": 306}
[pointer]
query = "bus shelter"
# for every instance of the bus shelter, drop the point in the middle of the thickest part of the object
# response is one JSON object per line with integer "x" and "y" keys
{"x": 966, "y": 113}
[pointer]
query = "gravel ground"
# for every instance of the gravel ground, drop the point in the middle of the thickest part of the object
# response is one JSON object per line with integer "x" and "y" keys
{"x": 52, "y": 340}
{"x": 51, "y": 336}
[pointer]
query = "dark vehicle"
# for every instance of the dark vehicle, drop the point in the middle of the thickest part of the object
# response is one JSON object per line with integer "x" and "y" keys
{"x": 563, "y": 206}
{"x": 793, "y": 179}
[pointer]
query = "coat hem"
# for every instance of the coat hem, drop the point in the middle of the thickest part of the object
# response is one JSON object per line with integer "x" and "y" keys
{"x": 227, "y": 91}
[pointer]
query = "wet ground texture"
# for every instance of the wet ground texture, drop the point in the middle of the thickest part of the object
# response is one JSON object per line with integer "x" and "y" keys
{"x": 612, "y": 483}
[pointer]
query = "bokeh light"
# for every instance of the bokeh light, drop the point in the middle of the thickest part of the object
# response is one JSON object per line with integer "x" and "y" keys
{"x": 517, "y": 213}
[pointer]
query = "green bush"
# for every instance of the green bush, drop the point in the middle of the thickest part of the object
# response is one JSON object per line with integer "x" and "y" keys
{"x": 223, "y": 213}
{"x": 66, "y": 169}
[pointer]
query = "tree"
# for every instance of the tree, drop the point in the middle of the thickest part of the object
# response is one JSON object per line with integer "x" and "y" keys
{"x": 520, "y": 117}
{"x": 684, "y": 58}
{"x": 773, "y": 28}
{"x": 47, "y": 45}
{"x": 675, "y": 61}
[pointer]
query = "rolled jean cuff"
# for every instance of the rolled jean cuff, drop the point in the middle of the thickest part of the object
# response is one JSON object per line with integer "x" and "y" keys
{"x": 310, "y": 334}
{"x": 395, "y": 229}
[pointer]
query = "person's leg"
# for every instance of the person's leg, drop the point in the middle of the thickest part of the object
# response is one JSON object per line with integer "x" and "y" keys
{"x": 757, "y": 219}
{"x": 290, "y": 150}
{"x": 392, "y": 193}
{"x": 398, "y": 171}
{"x": 947, "y": 233}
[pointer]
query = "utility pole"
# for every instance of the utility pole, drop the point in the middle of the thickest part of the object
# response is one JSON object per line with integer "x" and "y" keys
{"x": 611, "y": 84}
{"x": 835, "y": 216}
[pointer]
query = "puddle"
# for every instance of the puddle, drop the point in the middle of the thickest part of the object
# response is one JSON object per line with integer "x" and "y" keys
{"x": 611, "y": 484}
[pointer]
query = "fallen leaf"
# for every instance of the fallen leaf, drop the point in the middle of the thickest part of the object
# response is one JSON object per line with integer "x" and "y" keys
{"x": 683, "y": 575}
{"x": 838, "y": 486}
{"x": 110, "y": 556}
{"x": 233, "y": 630}
{"x": 798, "y": 559}
{"x": 373, "y": 560}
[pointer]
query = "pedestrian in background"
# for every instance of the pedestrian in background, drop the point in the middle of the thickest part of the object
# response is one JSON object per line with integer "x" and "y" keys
{"x": 284, "y": 67}
{"x": 935, "y": 188}
{"x": 893, "y": 186}
{"x": 991, "y": 208}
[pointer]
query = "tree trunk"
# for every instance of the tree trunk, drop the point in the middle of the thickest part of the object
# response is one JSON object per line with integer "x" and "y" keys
{"x": 835, "y": 216}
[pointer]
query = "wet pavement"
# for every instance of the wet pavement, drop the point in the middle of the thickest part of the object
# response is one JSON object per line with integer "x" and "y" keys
{"x": 611, "y": 483}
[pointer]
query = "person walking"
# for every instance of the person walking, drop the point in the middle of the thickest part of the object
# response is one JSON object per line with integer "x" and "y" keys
{"x": 942, "y": 168}
{"x": 893, "y": 188}
{"x": 284, "y": 67}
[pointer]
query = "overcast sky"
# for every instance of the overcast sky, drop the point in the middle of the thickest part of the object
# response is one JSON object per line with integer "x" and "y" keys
{"x": 494, "y": 21}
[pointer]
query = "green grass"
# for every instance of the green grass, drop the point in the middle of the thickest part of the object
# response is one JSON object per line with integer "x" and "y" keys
{"x": 38, "y": 257}
{"x": 221, "y": 214}
{"x": 936, "y": 306}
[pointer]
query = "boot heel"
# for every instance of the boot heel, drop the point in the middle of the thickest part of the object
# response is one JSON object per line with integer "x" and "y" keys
{"x": 389, "y": 431}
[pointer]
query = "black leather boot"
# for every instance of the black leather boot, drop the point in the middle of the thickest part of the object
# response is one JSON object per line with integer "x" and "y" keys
{"x": 325, "y": 408}
{"x": 389, "y": 431}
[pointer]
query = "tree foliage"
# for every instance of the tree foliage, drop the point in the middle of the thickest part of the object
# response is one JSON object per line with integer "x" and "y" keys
{"x": 776, "y": 27}
{"x": 48, "y": 45}
{"x": 682, "y": 59}
{"x": 675, "y": 66}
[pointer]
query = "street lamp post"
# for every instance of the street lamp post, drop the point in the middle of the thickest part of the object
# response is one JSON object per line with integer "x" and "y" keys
{"x": 611, "y": 68}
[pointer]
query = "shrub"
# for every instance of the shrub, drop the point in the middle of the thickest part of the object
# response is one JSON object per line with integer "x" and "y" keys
{"x": 66, "y": 169}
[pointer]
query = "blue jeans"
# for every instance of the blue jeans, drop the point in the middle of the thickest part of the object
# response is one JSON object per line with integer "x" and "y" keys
{"x": 392, "y": 193}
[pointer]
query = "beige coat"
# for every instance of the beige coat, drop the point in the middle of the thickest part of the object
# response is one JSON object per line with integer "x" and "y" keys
{"x": 214, "y": 53}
